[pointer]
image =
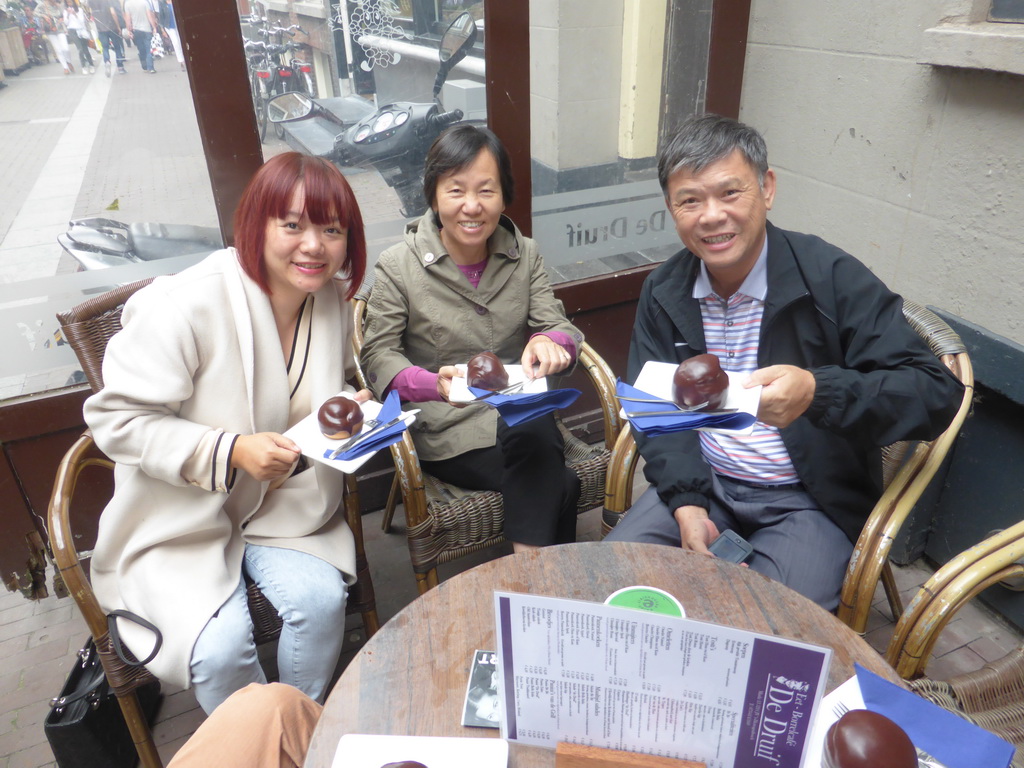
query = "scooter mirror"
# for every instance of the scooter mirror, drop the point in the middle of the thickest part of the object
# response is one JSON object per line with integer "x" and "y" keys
{"x": 455, "y": 44}
{"x": 289, "y": 106}
{"x": 458, "y": 39}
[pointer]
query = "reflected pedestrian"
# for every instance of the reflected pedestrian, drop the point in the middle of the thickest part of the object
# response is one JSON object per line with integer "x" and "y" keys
{"x": 169, "y": 23}
{"x": 51, "y": 19}
{"x": 109, "y": 23}
{"x": 78, "y": 33}
{"x": 140, "y": 17}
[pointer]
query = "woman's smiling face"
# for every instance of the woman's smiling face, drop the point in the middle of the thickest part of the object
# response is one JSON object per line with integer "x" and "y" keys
{"x": 301, "y": 256}
{"x": 469, "y": 205}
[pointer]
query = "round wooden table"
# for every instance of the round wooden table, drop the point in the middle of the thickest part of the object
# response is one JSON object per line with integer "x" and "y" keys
{"x": 410, "y": 677}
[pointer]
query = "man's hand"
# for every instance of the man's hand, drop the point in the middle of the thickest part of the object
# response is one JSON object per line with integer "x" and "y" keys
{"x": 543, "y": 357}
{"x": 695, "y": 529}
{"x": 787, "y": 393}
{"x": 362, "y": 396}
{"x": 265, "y": 455}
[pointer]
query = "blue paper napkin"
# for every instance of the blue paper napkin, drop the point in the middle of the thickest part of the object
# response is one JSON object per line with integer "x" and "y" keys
{"x": 515, "y": 409}
{"x": 675, "y": 422}
{"x": 391, "y": 408}
{"x": 944, "y": 735}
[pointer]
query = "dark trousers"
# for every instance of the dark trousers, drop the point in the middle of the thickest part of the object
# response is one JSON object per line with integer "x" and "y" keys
{"x": 794, "y": 541}
{"x": 82, "y": 43}
{"x": 111, "y": 41}
{"x": 142, "y": 43}
{"x": 527, "y": 465}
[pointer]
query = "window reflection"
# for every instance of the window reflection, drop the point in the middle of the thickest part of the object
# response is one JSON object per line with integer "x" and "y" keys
{"x": 118, "y": 147}
{"x": 376, "y": 112}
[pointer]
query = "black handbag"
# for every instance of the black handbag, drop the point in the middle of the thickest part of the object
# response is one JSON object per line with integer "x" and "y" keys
{"x": 85, "y": 726}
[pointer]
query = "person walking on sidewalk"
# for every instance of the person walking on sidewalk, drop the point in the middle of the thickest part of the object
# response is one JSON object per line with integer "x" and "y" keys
{"x": 142, "y": 25}
{"x": 109, "y": 23}
{"x": 51, "y": 19}
{"x": 168, "y": 22}
{"x": 78, "y": 33}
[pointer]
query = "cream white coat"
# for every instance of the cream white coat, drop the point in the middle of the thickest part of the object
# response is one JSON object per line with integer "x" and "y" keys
{"x": 200, "y": 350}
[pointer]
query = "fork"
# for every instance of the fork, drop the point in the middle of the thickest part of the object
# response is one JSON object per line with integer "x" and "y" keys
{"x": 839, "y": 709}
{"x": 511, "y": 389}
{"x": 368, "y": 426}
{"x": 667, "y": 402}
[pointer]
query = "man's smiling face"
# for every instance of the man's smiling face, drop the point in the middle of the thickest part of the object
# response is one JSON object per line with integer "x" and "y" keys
{"x": 720, "y": 214}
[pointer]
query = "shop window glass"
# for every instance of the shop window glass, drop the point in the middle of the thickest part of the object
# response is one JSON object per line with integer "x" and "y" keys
{"x": 374, "y": 76}
{"x": 84, "y": 145}
{"x": 606, "y": 86}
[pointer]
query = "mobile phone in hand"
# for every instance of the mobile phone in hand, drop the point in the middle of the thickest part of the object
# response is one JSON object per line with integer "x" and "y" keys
{"x": 731, "y": 546}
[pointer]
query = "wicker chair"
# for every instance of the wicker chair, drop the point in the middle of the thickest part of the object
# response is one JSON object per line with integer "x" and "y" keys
{"x": 993, "y": 696}
{"x": 87, "y": 328}
{"x": 907, "y": 470}
{"x": 445, "y": 522}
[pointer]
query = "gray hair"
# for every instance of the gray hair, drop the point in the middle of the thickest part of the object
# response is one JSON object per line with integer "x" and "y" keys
{"x": 704, "y": 139}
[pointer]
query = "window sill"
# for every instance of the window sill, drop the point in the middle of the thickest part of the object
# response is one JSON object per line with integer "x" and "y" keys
{"x": 982, "y": 45}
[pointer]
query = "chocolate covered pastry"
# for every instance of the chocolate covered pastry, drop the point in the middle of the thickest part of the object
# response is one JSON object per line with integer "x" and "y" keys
{"x": 865, "y": 739}
{"x": 340, "y": 417}
{"x": 700, "y": 380}
{"x": 485, "y": 371}
{"x": 404, "y": 764}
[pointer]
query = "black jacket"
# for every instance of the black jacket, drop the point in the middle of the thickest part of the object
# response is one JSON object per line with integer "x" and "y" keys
{"x": 876, "y": 380}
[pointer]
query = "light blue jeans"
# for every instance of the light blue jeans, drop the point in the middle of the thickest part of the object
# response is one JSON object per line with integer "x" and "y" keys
{"x": 309, "y": 595}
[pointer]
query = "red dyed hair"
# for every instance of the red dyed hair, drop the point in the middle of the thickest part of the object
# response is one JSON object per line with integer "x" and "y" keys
{"x": 328, "y": 197}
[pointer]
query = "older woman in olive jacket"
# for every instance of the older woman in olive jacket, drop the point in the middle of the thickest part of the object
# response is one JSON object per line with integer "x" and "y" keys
{"x": 465, "y": 280}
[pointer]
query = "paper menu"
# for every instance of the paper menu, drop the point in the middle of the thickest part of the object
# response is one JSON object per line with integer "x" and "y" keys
{"x": 613, "y": 677}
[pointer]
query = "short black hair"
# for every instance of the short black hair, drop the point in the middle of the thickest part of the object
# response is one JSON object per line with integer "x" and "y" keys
{"x": 457, "y": 147}
{"x": 704, "y": 139}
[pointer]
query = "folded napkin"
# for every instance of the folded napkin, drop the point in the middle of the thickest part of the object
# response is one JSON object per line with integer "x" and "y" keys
{"x": 515, "y": 409}
{"x": 674, "y": 422}
{"x": 946, "y": 736}
{"x": 382, "y": 438}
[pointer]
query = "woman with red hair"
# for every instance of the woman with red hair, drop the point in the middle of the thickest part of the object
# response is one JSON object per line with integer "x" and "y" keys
{"x": 211, "y": 367}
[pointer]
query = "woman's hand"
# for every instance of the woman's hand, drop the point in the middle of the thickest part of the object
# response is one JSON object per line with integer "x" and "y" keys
{"x": 543, "y": 357}
{"x": 444, "y": 381}
{"x": 265, "y": 455}
{"x": 363, "y": 396}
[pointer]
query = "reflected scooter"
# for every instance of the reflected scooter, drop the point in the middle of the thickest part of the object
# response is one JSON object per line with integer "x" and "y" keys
{"x": 395, "y": 138}
{"x": 98, "y": 243}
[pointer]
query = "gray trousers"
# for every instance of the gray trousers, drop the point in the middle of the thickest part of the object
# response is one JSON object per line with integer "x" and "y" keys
{"x": 794, "y": 541}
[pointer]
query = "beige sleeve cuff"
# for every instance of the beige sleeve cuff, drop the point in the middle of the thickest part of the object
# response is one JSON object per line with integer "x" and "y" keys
{"x": 209, "y": 467}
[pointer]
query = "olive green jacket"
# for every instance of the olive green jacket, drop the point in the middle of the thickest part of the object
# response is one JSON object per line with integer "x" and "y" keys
{"x": 423, "y": 311}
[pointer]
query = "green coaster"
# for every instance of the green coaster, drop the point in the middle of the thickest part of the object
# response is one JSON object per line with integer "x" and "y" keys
{"x": 647, "y": 599}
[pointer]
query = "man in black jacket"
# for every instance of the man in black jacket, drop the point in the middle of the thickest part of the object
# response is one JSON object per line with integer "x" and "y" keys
{"x": 841, "y": 372}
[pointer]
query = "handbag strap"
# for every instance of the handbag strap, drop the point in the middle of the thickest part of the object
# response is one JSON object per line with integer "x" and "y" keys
{"x": 115, "y": 637}
{"x": 93, "y": 678}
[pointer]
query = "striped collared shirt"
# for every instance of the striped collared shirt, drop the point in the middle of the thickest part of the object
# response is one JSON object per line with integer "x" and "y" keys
{"x": 732, "y": 328}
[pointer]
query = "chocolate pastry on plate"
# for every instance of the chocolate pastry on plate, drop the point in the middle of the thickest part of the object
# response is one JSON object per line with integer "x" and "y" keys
{"x": 340, "y": 417}
{"x": 485, "y": 371}
{"x": 700, "y": 380}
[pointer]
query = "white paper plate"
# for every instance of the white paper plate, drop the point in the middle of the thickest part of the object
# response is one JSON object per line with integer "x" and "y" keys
{"x": 656, "y": 379}
{"x": 357, "y": 750}
{"x": 311, "y": 440}
{"x": 460, "y": 389}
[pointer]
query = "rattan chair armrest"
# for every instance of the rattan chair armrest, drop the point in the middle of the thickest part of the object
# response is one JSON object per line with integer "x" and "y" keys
{"x": 871, "y": 551}
{"x": 603, "y": 379}
{"x": 410, "y": 477}
{"x": 62, "y": 542}
{"x": 619, "y": 479}
{"x": 998, "y": 557}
